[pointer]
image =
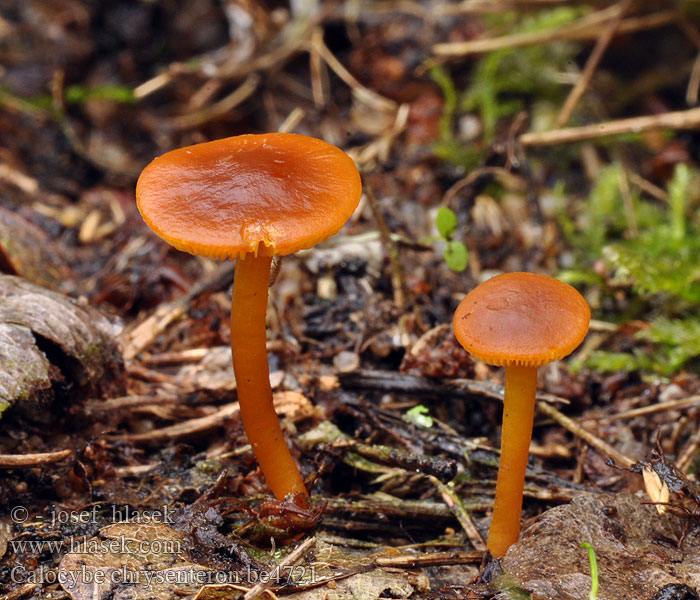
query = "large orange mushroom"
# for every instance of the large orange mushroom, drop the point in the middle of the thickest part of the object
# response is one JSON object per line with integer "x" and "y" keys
{"x": 520, "y": 321}
{"x": 251, "y": 197}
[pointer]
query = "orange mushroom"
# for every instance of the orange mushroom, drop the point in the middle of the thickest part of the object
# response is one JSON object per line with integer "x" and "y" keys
{"x": 520, "y": 321}
{"x": 250, "y": 197}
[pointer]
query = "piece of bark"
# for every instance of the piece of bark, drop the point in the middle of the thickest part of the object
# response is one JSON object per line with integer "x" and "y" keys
{"x": 52, "y": 347}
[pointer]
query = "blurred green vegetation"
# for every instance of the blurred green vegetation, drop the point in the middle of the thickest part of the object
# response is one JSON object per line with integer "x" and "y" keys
{"x": 501, "y": 81}
{"x": 455, "y": 254}
{"x": 651, "y": 249}
{"x": 72, "y": 95}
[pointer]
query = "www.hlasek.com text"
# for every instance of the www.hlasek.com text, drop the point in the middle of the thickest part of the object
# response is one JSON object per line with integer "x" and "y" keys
{"x": 83, "y": 545}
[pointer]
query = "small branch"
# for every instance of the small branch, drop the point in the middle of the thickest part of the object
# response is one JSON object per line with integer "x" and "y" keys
{"x": 454, "y": 503}
{"x": 646, "y": 186}
{"x": 587, "y": 27}
{"x": 220, "y": 108}
{"x": 185, "y": 428}
{"x": 432, "y": 559}
{"x": 126, "y": 403}
{"x": 687, "y": 455}
{"x": 438, "y": 468}
{"x": 599, "y": 49}
{"x": 401, "y": 290}
{"x": 299, "y": 552}
{"x": 585, "y": 435}
{"x": 474, "y": 176}
{"x": 391, "y": 381}
{"x": 361, "y": 92}
{"x": 14, "y": 461}
{"x": 682, "y": 119}
{"x": 24, "y": 182}
{"x": 648, "y": 410}
{"x": 691, "y": 95}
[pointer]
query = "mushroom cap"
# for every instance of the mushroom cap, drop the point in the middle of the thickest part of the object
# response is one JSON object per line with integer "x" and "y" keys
{"x": 261, "y": 194}
{"x": 521, "y": 319}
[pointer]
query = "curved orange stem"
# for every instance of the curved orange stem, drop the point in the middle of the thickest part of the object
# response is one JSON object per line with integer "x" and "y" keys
{"x": 248, "y": 345}
{"x": 518, "y": 416}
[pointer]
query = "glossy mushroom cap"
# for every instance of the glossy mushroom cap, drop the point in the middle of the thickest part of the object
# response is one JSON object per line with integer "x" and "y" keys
{"x": 261, "y": 194}
{"x": 521, "y": 319}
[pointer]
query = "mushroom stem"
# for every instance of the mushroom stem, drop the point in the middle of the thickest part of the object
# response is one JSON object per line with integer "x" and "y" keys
{"x": 518, "y": 417}
{"x": 248, "y": 346}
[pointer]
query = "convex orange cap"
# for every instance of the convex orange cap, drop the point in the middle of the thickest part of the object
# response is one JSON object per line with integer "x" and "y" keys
{"x": 521, "y": 319}
{"x": 260, "y": 194}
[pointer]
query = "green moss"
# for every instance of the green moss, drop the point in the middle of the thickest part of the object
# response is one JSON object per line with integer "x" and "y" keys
{"x": 502, "y": 81}
{"x": 658, "y": 265}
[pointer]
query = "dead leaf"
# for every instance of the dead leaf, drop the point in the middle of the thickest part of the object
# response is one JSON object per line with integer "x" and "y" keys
{"x": 47, "y": 339}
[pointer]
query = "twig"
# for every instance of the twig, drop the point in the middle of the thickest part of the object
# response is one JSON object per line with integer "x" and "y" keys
{"x": 125, "y": 403}
{"x": 596, "y": 55}
{"x": 587, "y": 27}
{"x": 396, "y": 509}
{"x": 682, "y": 119}
{"x": 401, "y": 290}
{"x": 648, "y": 410}
{"x": 143, "y": 335}
{"x": 391, "y": 381}
{"x": 691, "y": 94}
{"x": 223, "y": 106}
{"x": 391, "y": 8}
{"x": 299, "y": 552}
{"x": 603, "y": 326}
{"x": 647, "y": 186}
{"x": 472, "y": 178}
{"x": 361, "y": 92}
{"x": 432, "y": 559}
{"x": 438, "y": 468}
{"x": 152, "y": 85}
{"x": 454, "y": 503}
{"x": 24, "y": 182}
{"x": 13, "y": 461}
{"x": 318, "y": 74}
{"x": 283, "y": 46}
{"x": 293, "y": 119}
{"x": 687, "y": 454}
{"x": 585, "y": 435}
{"x": 147, "y": 331}
{"x": 185, "y": 428}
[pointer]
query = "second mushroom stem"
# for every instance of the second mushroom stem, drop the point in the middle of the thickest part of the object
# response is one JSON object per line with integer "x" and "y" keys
{"x": 518, "y": 417}
{"x": 249, "y": 348}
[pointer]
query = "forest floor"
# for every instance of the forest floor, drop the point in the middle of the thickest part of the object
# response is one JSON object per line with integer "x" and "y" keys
{"x": 514, "y": 135}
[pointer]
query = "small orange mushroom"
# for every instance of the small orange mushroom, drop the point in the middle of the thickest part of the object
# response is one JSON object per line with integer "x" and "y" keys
{"x": 251, "y": 197}
{"x": 520, "y": 321}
